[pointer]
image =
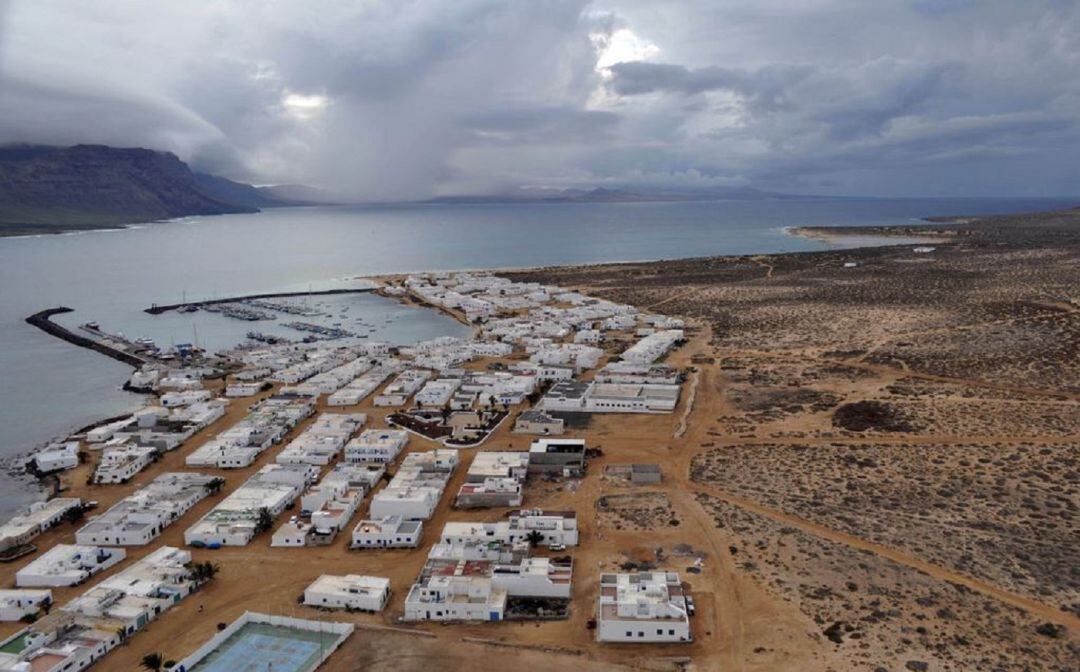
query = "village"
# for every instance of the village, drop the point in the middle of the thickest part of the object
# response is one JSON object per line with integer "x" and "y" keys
{"x": 453, "y": 481}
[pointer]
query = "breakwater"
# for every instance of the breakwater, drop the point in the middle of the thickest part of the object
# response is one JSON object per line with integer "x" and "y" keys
{"x": 42, "y": 321}
{"x": 159, "y": 309}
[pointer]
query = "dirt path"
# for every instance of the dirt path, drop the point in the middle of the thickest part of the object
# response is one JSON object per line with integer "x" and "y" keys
{"x": 711, "y": 398}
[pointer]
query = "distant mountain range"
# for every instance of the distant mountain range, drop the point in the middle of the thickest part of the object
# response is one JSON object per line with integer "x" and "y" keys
{"x": 606, "y": 195}
{"x": 48, "y": 189}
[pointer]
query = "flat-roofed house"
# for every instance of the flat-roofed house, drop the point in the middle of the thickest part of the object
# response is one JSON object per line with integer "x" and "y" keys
{"x": 642, "y": 607}
{"x": 389, "y": 532}
{"x": 352, "y": 591}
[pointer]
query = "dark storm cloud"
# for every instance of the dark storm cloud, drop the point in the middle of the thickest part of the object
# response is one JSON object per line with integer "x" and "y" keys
{"x": 386, "y": 100}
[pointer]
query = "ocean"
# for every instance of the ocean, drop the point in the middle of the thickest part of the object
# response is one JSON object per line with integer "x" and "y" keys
{"x": 48, "y": 387}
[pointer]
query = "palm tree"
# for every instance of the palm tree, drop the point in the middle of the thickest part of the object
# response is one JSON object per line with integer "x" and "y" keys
{"x": 204, "y": 572}
{"x": 534, "y": 538}
{"x": 153, "y": 661}
{"x": 121, "y": 634}
{"x": 265, "y": 521}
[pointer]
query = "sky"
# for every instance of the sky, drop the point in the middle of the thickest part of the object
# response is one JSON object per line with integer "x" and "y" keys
{"x": 408, "y": 100}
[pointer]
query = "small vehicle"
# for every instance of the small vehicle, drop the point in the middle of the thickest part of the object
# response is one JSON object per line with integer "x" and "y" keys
{"x": 557, "y": 547}
{"x": 690, "y": 606}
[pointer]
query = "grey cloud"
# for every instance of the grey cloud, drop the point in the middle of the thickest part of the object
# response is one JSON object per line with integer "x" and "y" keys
{"x": 436, "y": 97}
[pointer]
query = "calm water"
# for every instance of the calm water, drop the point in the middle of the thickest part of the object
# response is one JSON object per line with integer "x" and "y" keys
{"x": 49, "y": 387}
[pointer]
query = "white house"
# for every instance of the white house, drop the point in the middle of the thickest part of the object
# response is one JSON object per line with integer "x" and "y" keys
{"x": 376, "y": 445}
{"x": 235, "y": 520}
{"x": 140, "y": 517}
{"x": 642, "y": 607}
{"x": 403, "y": 386}
{"x": 57, "y": 457}
{"x": 17, "y": 603}
{"x": 352, "y": 591}
{"x": 39, "y": 517}
{"x": 122, "y": 461}
{"x": 555, "y": 527}
{"x": 464, "y": 593}
{"x": 67, "y": 565}
{"x": 389, "y": 532}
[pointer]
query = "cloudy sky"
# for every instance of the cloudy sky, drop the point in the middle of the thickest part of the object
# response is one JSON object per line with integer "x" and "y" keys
{"x": 404, "y": 100}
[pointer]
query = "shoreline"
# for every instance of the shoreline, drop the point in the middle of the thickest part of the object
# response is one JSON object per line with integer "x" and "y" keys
{"x": 964, "y": 225}
{"x": 835, "y": 234}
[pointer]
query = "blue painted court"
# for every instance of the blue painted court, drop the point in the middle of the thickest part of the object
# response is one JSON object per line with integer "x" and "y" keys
{"x": 259, "y": 647}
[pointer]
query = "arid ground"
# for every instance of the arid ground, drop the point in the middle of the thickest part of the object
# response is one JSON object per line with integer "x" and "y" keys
{"x": 873, "y": 467}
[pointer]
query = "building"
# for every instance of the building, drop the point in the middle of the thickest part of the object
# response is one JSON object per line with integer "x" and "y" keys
{"x": 265, "y": 425}
{"x": 459, "y": 591}
{"x": 352, "y": 591}
{"x": 57, "y": 457}
{"x": 292, "y": 534}
{"x": 139, "y": 518}
{"x": 67, "y": 565}
{"x": 402, "y": 387}
{"x": 358, "y": 389}
{"x": 184, "y": 397}
{"x": 416, "y": 488}
{"x": 474, "y": 580}
{"x": 538, "y": 422}
{"x": 494, "y": 478}
{"x": 16, "y": 604}
{"x": 437, "y": 393}
{"x": 561, "y": 457}
{"x": 632, "y": 398}
{"x": 554, "y": 528}
{"x": 376, "y": 445}
{"x": 492, "y": 492}
{"x": 566, "y": 395}
{"x": 652, "y": 347}
{"x": 239, "y": 517}
{"x": 642, "y": 607}
{"x": 636, "y": 474}
{"x": 39, "y": 517}
{"x": 85, "y": 629}
{"x": 628, "y": 372}
{"x": 122, "y": 461}
{"x": 389, "y": 532}
{"x": 322, "y": 440}
{"x": 534, "y": 577}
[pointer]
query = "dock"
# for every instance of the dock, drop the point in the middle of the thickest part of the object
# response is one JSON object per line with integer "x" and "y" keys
{"x": 42, "y": 321}
{"x": 159, "y": 309}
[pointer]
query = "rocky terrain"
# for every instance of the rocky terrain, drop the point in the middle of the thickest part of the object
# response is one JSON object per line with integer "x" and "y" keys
{"x": 889, "y": 438}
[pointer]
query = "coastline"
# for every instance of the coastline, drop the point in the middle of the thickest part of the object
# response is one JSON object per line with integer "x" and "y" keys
{"x": 835, "y": 235}
{"x": 892, "y": 236}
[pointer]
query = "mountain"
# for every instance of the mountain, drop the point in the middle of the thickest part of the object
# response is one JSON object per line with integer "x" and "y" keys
{"x": 300, "y": 194}
{"x": 50, "y": 189}
{"x": 235, "y": 193}
{"x": 605, "y": 195}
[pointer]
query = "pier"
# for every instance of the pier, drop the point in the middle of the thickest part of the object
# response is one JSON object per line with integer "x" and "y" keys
{"x": 159, "y": 309}
{"x": 42, "y": 321}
